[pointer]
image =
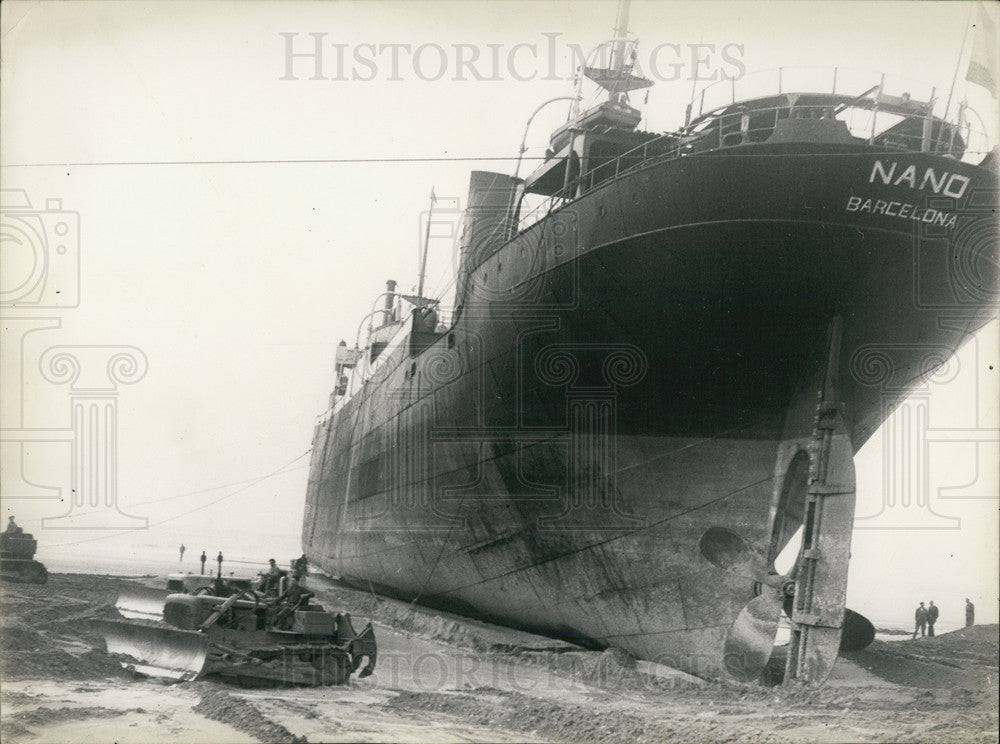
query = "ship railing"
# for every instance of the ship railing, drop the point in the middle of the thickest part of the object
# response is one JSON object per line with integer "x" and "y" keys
{"x": 840, "y": 81}
{"x": 868, "y": 86}
{"x": 667, "y": 146}
{"x": 366, "y": 367}
{"x": 968, "y": 140}
{"x": 664, "y": 147}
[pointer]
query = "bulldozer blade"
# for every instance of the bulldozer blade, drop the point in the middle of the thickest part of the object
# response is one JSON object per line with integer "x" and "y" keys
{"x": 156, "y": 651}
{"x": 141, "y": 603}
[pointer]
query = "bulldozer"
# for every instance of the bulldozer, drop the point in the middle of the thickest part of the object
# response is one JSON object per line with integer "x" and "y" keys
{"x": 139, "y": 602}
{"x": 246, "y": 637}
{"x": 17, "y": 552}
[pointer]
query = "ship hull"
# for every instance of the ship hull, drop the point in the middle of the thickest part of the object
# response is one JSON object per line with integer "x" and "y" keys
{"x": 637, "y": 368}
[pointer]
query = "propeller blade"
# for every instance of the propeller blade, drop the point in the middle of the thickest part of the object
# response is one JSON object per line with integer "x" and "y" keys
{"x": 858, "y": 631}
{"x": 751, "y": 638}
{"x": 727, "y": 550}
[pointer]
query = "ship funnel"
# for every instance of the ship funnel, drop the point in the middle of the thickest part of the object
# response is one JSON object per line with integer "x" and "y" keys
{"x": 489, "y": 217}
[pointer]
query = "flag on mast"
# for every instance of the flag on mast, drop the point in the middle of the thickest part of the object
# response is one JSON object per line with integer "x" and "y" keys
{"x": 984, "y": 61}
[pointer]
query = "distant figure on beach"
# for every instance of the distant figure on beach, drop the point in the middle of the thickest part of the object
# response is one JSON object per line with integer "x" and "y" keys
{"x": 203, "y": 559}
{"x": 932, "y": 616}
{"x": 218, "y": 558}
{"x": 13, "y": 529}
{"x": 182, "y": 552}
{"x": 970, "y": 613}
{"x": 921, "y": 618}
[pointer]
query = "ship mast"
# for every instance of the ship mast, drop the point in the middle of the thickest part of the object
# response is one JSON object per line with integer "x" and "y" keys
{"x": 617, "y": 79}
{"x": 620, "y": 44}
{"x": 427, "y": 240}
{"x": 611, "y": 121}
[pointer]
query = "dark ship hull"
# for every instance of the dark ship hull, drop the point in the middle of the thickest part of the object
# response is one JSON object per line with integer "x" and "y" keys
{"x": 639, "y": 367}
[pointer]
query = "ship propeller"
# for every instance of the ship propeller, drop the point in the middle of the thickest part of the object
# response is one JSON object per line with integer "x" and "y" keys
{"x": 750, "y": 641}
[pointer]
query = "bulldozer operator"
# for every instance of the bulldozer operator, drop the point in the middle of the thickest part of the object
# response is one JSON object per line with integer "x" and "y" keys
{"x": 270, "y": 582}
{"x": 295, "y": 597}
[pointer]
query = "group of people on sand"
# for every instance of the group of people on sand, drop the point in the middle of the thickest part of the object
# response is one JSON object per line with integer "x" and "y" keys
{"x": 926, "y": 617}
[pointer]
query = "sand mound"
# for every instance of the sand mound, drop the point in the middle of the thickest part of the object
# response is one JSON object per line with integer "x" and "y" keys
{"x": 512, "y": 711}
{"x": 243, "y": 716}
{"x": 963, "y": 659}
{"x": 46, "y": 631}
{"x": 18, "y": 726}
{"x": 979, "y": 641}
{"x": 17, "y": 638}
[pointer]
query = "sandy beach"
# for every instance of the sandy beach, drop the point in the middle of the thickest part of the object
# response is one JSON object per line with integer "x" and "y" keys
{"x": 443, "y": 678}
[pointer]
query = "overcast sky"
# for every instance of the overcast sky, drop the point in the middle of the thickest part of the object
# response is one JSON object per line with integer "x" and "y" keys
{"x": 221, "y": 235}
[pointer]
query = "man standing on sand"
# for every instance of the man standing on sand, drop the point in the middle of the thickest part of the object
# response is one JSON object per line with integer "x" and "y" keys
{"x": 970, "y": 613}
{"x": 921, "y": 618}
{"x": 203, "y": 559}
{"x": 932, "y": 616}
{"x": 182, "y": 553}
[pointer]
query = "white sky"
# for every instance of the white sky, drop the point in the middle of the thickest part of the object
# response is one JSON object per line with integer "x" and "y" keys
{"x": 237, "y": 279}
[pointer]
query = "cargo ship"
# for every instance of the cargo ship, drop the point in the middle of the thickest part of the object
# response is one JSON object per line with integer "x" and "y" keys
{"x": 664, "y": 351}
